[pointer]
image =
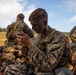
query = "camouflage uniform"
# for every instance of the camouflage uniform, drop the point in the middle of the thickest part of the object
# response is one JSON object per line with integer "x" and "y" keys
{"x": 50, "y": 53}
{"x": 14, "y": 29}
{"x": 14, "y": 55}
{"x": 73, "y": 47}
{"x": 1, "y": 49}
{"x": 73, "y": 38}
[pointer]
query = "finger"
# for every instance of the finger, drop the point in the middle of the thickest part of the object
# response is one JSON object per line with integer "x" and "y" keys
{"x": 18, "y": 36}
{"x": 22, "y": 37}
{"x": 19, "y": 39}
{"x": 22, "y": 33}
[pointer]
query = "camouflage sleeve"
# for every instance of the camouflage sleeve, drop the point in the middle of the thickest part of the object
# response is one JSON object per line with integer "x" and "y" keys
{"x": 48, "y": 61}
{"x": 20, "y": 27}
{"x": 24, "y": 27}
{"x": 73, "y": 34}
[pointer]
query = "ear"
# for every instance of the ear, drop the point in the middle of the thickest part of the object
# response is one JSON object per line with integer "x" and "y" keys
{"x": 45, "y": 22}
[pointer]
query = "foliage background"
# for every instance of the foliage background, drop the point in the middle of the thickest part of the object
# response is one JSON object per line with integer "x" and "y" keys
{"x": 3, "y": 36}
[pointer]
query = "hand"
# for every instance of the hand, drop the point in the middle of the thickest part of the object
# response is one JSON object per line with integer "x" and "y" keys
{"x": 74, "y": 58}
{"x": 24, "y": 39}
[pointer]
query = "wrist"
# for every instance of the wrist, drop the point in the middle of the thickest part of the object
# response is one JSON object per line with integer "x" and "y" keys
{"x": 31, "y": 44}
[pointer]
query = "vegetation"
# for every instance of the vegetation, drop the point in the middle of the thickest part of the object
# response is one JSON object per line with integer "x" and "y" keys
{"x": 2, "y": 29}
{"x": 66, "y": 33}
{"x": 2, "y": 38}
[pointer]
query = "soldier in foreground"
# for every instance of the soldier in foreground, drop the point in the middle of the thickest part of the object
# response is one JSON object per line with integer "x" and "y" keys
{"x": 49, "y": 53}
{"x": 14, "y": 56}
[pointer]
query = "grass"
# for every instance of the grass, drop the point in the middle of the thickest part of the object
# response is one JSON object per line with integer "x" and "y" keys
{"x": 2, "y": 38}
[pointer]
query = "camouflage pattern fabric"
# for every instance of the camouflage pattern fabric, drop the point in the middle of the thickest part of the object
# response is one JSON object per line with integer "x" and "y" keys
{"x": 12, "y": 59}
{"x": 74, "y": 62}
{"x": 1, "y": 49}
{"x": 49, "y": 53}
{"x": 63, "y": 71}
{"x": 73, "y": 38}
{"x": 13, "y": 51}
{"x": 73, "y": 34}
{"x": 14, "y": 29}
{"x": 73, "y": 47}
{"x": 19, "y": 69}
{"x": 14, "y": 54}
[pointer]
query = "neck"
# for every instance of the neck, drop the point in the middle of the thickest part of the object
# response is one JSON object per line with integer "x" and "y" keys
{"x": 45, "y": 31}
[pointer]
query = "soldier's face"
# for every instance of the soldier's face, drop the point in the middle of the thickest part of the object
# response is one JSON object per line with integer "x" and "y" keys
{"x": 38, "y": 26}
{"x": 18, "y": 18}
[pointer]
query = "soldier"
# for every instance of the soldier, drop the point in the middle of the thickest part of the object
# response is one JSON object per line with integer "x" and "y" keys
{"x": 73, "y": 47}
{"x": 15, "y": 28}
{"x": 49, "y": 53}
{"x": 73, "y": 38}
{"x": 14, "y": 55}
